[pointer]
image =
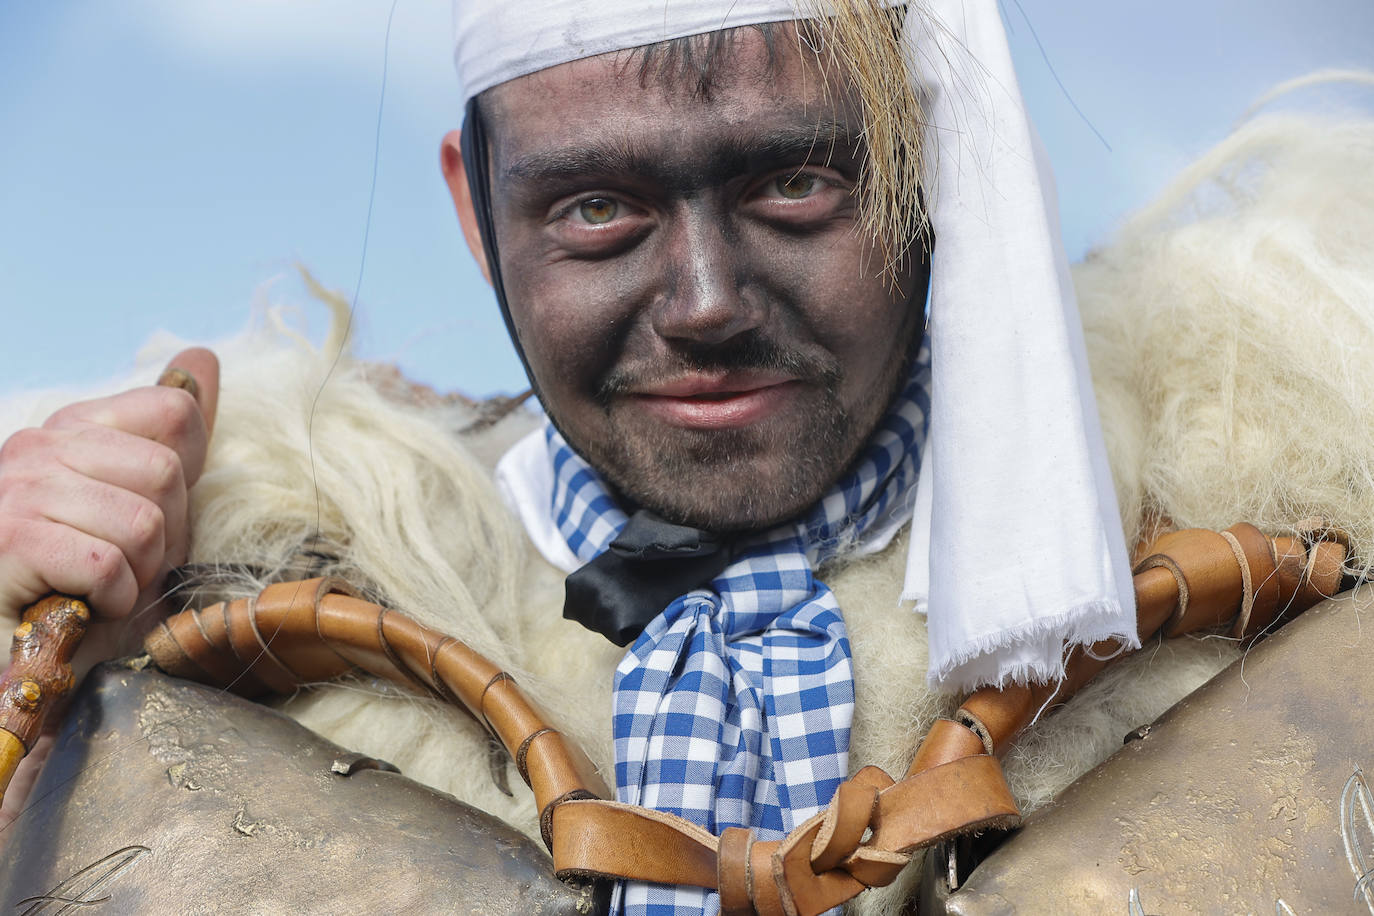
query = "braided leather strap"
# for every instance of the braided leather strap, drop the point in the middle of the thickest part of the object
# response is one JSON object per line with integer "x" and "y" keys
{"x": 297, "y": 633}
{"x": 1238, "y": 580}
{"x": 310, "y": 631}
{"x": 821, "y": 864}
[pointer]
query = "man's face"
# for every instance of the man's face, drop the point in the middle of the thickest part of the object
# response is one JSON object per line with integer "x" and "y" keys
{"x": 703, "y": 321}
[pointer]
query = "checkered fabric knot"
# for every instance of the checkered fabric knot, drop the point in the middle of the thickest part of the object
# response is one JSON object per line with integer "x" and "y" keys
{"x": 733, "y": 707}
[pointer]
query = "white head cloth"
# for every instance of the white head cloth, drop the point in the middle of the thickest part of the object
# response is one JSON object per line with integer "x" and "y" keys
{"x": 1016, "y": 547}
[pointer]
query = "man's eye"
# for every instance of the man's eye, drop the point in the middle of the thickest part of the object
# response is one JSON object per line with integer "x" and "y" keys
{"x": 797, "y": 185}
{"x": 597, "y": 225}
{"x": 598, "y": 210}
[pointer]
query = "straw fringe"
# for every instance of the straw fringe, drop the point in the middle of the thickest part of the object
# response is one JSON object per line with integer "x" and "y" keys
{"x": 857, "y": 43}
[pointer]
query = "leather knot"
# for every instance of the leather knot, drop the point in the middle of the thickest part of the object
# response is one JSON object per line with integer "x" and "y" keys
{"x": 843, "y": 826}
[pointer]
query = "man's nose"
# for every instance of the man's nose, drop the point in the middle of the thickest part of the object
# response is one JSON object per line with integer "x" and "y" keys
{"x": 706, "y": 297}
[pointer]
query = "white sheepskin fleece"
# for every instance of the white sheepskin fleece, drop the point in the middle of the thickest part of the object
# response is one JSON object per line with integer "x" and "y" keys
{"x": 1231, "y": 329}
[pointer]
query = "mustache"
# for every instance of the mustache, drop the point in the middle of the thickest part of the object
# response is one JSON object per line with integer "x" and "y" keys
{"x": 751, "y": 351}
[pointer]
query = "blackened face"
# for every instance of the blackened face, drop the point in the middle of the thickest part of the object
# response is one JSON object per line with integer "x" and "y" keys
{"x": 703, "y": 321}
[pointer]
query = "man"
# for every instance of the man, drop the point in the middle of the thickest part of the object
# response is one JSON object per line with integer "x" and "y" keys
{"x": 729, "y": 346}
{"x": 687, "y": 267}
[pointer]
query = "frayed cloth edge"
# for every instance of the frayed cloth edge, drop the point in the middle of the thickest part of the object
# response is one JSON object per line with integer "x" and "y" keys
{"x": 1082, "y": 624}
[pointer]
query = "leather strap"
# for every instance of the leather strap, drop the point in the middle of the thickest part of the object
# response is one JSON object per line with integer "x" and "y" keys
{"x": 734, "y": 878}
{"x": 822, "y": 863}
{"x": 1210, "y": 584}
{"x": 946, "y": 741}
{"x": 605, "y": 839}
{"x": 843, "y": 825}
{"x": 1263, "y": 592}
{"x": 315, "y": 630}
{"x": 1190, "y": 580}
{"x": 297, "y": 632}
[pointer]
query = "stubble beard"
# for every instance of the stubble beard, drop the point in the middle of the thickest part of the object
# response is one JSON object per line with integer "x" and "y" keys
{"x": 726, "y": 480}
{"x": 733, "y": 479}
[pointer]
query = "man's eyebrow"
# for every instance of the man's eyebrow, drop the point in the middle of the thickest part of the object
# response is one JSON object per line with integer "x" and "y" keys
{"x": 570, "y": 161}
{"x": 733, "y": 153}
{"x": 827, "y": 137}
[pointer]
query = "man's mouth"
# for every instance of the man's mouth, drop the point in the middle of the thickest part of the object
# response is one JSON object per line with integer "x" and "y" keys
{"x": 717, "y": 401}
{"x": 714, "y": 395}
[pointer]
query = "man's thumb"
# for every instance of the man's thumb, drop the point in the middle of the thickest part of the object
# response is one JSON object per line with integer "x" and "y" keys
{"x": 196, "y": 370}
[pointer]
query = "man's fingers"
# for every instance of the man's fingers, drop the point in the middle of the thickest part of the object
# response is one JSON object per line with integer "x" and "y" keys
{"x": 202, "y": 367}
{"x": 134, "y": 524}
{"x": 141, "y": 466}
{"x": 94, "y": 503}
{"x": 38, "y": 557}
{"x": 169, "y": 416}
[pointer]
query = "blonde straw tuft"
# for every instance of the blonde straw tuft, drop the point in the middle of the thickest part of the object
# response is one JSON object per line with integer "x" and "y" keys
{"x": 858, "y": 43}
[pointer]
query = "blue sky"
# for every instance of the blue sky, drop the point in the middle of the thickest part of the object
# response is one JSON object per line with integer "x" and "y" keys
{"x": 162, "y": 160}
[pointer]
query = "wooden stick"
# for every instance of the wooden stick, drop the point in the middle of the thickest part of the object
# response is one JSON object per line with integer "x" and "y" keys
{"x": 40, "y": 673}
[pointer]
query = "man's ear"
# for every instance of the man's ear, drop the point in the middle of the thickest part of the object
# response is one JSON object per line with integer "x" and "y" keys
{"x": 456, "y": 177}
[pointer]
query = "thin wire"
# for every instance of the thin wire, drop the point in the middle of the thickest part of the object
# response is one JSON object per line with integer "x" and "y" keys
{"x": 348, "y": 324}
{"x": 357, "y": 287}
{"x": 362, "y": 261}
{"x": 32, "y": 802}
{"x": 1062, "y": 88}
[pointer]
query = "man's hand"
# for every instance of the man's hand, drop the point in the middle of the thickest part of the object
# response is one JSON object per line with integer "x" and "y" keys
{"x": 93, "y": 503}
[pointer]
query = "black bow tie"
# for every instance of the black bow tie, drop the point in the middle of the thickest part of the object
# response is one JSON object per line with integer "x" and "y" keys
{"x": 650, "y": 563}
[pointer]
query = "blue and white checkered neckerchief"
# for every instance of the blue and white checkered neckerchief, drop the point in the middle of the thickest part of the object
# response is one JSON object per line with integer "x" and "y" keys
{"x": 733, "y": 707}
